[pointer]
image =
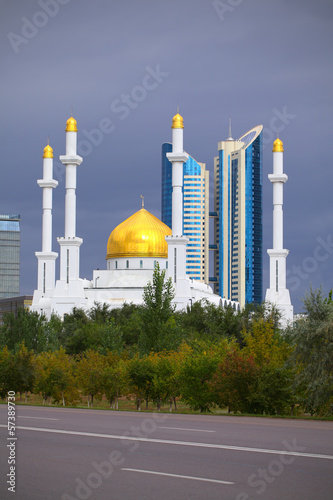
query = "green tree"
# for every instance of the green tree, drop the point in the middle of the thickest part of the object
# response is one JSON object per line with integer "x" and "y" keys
{"x": 28, "y": 327}
{"x": 273, "y": 393}
{"x": 17, "y": 370}
{"x": 244, "y": 386}
{"x": 55, "y": 377}
{"x": 96, "y": 330}
{"x": 234, "y": 380}
{"x": 23, "y": 370}
{"x": 89, "y": 372}
{"x": 99, "y": 313}
{"x": 5, "y": 371}
{"x": 73, "y": 337}
{"x": 265, "y": 344}
{"x": 196, "y": 374}
{"x": 312, "y": 338}
{"x": 193, "y": 320}
{"x": 204, "y": 320}
{"x": 128, "y": 319}
{"x": 163, "y": 381}
{"x": 111, "y": 337}
{"x": 256, "y": 312}
{"x": 172, "y": 379}
{"x": 225, "y": 322}
{"x": 141, "y": 371}
{"x": 43, "y": 383}
{"x": 159, "y": 330}
{"x": 54, "y": 328}
{"x": 115, "y": 378}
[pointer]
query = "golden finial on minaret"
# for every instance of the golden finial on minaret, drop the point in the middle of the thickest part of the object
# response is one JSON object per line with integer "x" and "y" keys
{"x": 71, "y": 125}
{"x": 48, "y": 151}
{"x": 277, "y": 146}
{"x": 177, "y": 121}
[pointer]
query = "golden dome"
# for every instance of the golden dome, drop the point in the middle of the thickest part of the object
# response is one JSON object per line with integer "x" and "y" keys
{"x": 177, "y": 121}
{"x": 71, "y": 125}
{"x": 277, "y": 146}
{"x": 48, "y": 152}
{"x": 141, "y": 235}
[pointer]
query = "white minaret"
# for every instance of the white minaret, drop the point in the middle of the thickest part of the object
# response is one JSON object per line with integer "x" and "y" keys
{"x": 70, "y": 243}
{"x": 46, "y": 258}
{"x": 277, "y": 293}
{"x": 177, "y": 242}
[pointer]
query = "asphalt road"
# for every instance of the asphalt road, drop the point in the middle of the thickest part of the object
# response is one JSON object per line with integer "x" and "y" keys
{"x": 69, "y": 454}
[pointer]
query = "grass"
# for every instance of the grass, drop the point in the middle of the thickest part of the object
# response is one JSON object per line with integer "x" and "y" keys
{"x": 126, "y": 404}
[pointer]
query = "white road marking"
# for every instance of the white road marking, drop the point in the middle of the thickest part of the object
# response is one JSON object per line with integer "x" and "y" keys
{"x": 182, "y": 429}
{"x": 178, "y": 443}
{"x": 182, "y": 477}
{"x": 39, "y": 418}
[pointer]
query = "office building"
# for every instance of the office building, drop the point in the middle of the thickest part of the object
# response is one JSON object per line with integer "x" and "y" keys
{"x": 13, "y": 304}
{"x": 9, "y": 255}
{"x": 238, "y": 218}
{"x": 195, "y": 212}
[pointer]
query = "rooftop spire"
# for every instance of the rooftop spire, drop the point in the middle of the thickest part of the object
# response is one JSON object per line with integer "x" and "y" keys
{"x": 142, "y": 201}
{"x": 230, "y": 138}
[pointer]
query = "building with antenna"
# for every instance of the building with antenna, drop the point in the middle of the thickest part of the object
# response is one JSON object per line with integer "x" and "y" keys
{"x": 238, "y": 218}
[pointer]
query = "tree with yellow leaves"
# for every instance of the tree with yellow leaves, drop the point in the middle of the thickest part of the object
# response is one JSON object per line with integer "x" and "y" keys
{"x": 115, "y": 382}
{"x": 55, "y": 377}
{"x": 89, "y": 373}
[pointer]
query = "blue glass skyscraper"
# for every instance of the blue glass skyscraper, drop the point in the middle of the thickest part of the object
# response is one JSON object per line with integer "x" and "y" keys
{"x": 238, "y": 218}
{"x": 195, "y": 211}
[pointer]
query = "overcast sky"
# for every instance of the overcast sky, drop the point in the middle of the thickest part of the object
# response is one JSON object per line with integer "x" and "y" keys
{"x": 123, "y": 67}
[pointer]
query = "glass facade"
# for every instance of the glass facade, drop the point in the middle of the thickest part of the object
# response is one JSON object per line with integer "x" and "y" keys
{"x": 166, "y": 186}
{"x": 233, "y": 260}
{"x": 220, "y": 235}
{"x": 253, "y": 223}
{"x": 9, "y": 255}
{"x": 238, "y": 223}
{"x": 195, "y": 211}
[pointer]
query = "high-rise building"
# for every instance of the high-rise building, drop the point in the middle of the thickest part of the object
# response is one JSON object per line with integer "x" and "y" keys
{"x": 195, "y": 211}
{"x": 9, "y": 255}
{"x": 238, "y": 218}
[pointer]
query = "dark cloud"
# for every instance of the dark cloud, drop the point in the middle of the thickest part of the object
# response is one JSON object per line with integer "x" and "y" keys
{"x": 262, "y": 59}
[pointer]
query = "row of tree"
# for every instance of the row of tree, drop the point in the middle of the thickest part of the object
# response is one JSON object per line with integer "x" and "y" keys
{"x": 251, "y": 380}
{"x": 207, "y": 356}
{"x": 264, "y": 376}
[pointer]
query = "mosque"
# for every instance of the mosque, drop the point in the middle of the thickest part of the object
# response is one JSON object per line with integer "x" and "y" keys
{"x": 134, "y": 247}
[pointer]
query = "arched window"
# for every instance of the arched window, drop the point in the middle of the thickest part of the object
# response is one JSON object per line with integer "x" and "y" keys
{"x": 141, "y": 264}
{"x": 127, "y": 264}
